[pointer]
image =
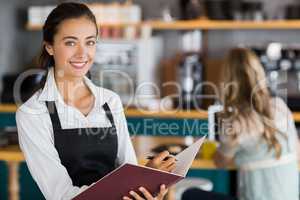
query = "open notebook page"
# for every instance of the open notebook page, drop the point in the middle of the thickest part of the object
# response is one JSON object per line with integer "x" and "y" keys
{"x": 186, "y": 158}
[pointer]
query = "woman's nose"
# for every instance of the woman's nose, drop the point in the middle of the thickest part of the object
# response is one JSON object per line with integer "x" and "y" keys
{"x": 81, "y": 50}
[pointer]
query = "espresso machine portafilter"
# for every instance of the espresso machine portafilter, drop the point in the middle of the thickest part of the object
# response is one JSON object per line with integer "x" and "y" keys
{"x": 190, "y": 77}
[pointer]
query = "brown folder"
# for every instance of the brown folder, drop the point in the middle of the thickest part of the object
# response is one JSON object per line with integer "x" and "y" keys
{"x": 128, "y": 177}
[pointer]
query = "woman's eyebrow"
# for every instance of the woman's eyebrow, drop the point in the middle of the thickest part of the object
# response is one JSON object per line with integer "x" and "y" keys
{"x": 70, "y": 37}
{"x": 91, "y": 37}
{"x": 75, "y": 38}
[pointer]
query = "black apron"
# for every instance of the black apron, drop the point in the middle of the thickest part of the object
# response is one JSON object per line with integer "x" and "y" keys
{"x": 88, "y": 154}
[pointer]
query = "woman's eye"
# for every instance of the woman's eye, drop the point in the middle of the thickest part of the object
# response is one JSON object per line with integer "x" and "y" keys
{"x": 70, "y": 43}
{"x": 91, "y": 43}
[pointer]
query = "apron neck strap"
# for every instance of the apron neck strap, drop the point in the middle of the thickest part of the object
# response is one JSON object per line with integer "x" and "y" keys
{"x": 108, "y": 113}
{"x": 55, "y": 118}
{"x": 53, "y": 114}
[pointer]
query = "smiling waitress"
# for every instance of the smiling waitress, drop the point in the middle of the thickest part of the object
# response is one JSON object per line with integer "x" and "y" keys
{"x": 72, "y": 132}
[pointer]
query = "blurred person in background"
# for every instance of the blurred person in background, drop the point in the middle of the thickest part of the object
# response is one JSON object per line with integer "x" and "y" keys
{"x": 258, "y": 132}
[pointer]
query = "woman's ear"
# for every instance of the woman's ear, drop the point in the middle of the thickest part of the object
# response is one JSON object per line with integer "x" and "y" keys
{"x": 49, "y": 48}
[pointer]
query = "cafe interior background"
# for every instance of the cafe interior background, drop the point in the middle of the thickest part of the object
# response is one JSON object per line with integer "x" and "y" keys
{"x": 157, "y": 42}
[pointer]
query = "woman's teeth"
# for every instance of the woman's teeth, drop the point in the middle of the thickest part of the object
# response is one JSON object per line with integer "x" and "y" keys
{"x": 78, "y": 64}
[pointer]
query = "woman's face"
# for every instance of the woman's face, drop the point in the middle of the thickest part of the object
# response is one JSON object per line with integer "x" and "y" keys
{"x": 74, "y": 47}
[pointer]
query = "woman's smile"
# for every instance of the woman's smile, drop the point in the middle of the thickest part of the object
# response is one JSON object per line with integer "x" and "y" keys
{"x": 78, "y": 64}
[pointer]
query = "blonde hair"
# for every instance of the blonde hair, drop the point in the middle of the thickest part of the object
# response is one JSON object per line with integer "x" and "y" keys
{"x": 245, "y": 90}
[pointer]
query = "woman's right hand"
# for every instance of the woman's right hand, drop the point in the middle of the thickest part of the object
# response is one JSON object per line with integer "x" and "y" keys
{"x": 159, "y": 162}
{"x": 147, "y": 195}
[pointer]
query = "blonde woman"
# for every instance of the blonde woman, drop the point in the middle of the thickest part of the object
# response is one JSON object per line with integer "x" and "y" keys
{"x": 259, "y": 134}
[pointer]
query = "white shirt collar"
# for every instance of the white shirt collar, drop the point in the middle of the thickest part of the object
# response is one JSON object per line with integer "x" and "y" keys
{"x": 51, "y": 93}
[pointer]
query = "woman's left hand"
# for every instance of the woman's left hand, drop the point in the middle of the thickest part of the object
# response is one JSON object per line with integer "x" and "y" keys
{"x": 147, "y": 195}
{"x": 222, "y": 161}
{"x": 162, "y": 162}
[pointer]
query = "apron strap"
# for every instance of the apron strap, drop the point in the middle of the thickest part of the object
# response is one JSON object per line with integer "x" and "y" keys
{"x": 55, "y": 118}
{"x": 262, "y": 164}
{"x": 108, "y": 114}
{"x": 53, "y": 114}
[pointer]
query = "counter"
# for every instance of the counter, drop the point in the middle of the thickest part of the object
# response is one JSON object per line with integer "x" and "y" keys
{"x": 140, "y": 124}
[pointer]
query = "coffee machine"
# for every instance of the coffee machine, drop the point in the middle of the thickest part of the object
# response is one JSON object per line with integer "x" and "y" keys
{"x": 282, "y": 66}
{"x": 190, "y": 77}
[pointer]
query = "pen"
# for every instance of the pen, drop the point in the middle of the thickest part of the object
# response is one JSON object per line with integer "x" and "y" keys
{"x": 166, "y": 158}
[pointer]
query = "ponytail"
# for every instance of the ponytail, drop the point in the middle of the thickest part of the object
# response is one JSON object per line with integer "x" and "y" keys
{"x": 45, "y": 61}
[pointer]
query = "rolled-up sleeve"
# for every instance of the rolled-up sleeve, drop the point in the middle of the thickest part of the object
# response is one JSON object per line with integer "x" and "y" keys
{"x": 229, "y": 144}
{"x": 36, "y": 143}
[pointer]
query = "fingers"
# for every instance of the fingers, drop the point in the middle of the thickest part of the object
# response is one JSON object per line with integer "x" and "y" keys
{"x": 162, "y": 193}
{"x": 171, "y": 167}
{"x": 159, "y": 162}
{"x": 135, "y": 195}
{"x": 168, "y": 163}
{"x": 146, "y": 193}
{"x": 126, "y": 198}
{"x": 161, "y": 156}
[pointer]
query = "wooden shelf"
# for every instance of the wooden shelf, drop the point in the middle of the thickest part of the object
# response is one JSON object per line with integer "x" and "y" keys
{"x": 296, "y": 116}
{"x": 197, "y": 164}
{"x": 38, "y": 27}
{"x": 8, "y": 108}
{"x": 11, "y": 108}
{"x": 225, "y": 25}
{"x": 11, "y": 154}
{"x": 167, "y": 114}
{"x": 205, "y": 24}
{"x": 14, "y": 154}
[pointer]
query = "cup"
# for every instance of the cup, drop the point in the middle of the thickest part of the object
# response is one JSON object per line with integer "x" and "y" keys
{"x": 208, "y": 149}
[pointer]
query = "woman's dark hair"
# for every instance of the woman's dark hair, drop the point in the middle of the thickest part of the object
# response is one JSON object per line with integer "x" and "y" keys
{"x": 64, "y": 11}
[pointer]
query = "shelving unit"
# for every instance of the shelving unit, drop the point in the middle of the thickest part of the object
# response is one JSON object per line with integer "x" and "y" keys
{"x": 38, "y": 27}
{"x": 225, "y": 24}
{"x": 205, "y": 24}
{"x": 135, "y": 113}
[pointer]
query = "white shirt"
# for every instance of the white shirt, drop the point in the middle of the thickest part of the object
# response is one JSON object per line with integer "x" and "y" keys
{"x": 37, "y": 141}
